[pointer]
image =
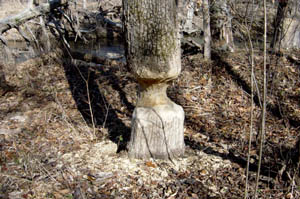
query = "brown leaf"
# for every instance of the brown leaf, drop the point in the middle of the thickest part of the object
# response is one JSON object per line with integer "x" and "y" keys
{"x": 150, "y": 164}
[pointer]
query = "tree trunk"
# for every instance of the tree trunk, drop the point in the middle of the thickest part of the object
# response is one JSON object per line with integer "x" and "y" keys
{"x": 188, "y": 26}
{"x": 84, "y": 4}
{"x": 153, "y": 55}
{"x": 278, "y": 24}
{"x": 30, "y": 4}
{"x": 291, "y": 26}
{"x": 206, "y": 28}
{"x": 221, "y": 24}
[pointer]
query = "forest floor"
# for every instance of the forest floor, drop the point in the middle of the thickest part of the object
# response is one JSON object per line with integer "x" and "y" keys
{"x": 50, "y": 148}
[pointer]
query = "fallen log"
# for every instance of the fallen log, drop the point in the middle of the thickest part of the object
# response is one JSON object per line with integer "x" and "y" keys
{"x": 28, "y": 14}
{"x": 87, "y": 57}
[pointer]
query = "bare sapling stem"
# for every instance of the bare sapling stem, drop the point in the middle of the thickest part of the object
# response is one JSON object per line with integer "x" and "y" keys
{"x": 252, "y": 100}
{"x": 263, "y": 120}
{"x": 251, "y": 114}
{"x": 90, "y": 103}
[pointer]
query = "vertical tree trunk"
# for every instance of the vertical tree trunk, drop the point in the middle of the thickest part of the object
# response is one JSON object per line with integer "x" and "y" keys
{"x": 291, "y": 26}
{"x": 188, "y": 26}
{"x": 84, "y": 4}
{"x": 221, "y": 23}
{"x": 278, "y": 23}
{"x": 30, "y": 3}
{"x": 206, "y": 28}
{"x": 153, "y": 55}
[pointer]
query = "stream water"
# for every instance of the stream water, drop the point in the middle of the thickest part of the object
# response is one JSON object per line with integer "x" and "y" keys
{"x": 102, "y": 48}
{"x": 18, "y": 51}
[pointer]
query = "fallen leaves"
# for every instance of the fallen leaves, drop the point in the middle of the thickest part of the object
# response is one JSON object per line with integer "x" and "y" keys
{"x": 150, "y": 164}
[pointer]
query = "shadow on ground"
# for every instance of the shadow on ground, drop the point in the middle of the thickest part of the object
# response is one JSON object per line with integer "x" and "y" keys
{"x": 103, "y": 87}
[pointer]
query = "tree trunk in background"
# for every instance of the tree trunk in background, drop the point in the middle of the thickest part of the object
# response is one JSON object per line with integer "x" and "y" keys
{"x": 206, "y": 29}
{"x": 30, "y": 3}
{"x": 153, "y": 55}
{"x": 278, "y": 24}
{"x": 221, "y": 24}
{"x": 188, "y": 26}
{"x": 84, "y": 4}
{"x": 291, "y": 26}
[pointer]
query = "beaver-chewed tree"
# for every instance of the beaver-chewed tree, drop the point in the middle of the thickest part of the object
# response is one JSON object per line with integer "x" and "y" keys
{"x": 153, "y": 55}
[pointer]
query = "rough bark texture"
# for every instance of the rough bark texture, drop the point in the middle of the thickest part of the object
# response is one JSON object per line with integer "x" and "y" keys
{"x": 291, "y": 26}
{"x": 287, "y": 25}
{"x": 206, "y": 29}
{"x": 278, "y": 23}
{"x": 188, "y": 26}
{"x": 221, "y": 23}
{"x": 153, "y": 55}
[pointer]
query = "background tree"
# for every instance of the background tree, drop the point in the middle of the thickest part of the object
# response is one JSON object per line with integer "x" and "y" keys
{"x": 206, "y": 29}
{"x": 153, "y": 55}
{"x": 278, "y": 22}
{"x": 221, "y": 24}
{"x": 188, "y": 26}
{"x": 290, "y": 34}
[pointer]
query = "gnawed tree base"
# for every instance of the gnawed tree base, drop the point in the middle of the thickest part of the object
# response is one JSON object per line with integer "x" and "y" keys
{"x": 157, "y": 132}
{"x": 153, "y": 56}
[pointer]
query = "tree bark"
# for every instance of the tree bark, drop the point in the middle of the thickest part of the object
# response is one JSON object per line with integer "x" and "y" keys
{"x": 84, "y": 4}
{"x": 291, "y": 26}
{"x": 188, "y": 26}
{"x": 153, "y": 55}
{"x": 30, "y": 3}
{"x": 206, "y": 28}
{"x": 221, "y": 24}
{"x": 278, "y": 23}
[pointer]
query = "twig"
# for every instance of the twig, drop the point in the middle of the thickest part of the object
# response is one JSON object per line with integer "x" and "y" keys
{"x": 106, "y": 115}
{"x": 68, "y": 119}
{"x": 3, "y": 41}
{"x": 43, "y": 25}
{"x": 90, "y": 103}
{"x": 71, "y": 23}
{"x": 33, "y": 36}
{"x": 88, "y": 95}
{"x": 22, "y": 34}
{"x": 263, "y": 122}
{"x": 252, "y": 108}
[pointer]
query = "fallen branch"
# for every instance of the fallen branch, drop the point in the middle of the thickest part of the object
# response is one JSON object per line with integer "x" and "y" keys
{"x": 3, "y": 41}
{"x": 86, "y": 57}
{"x": 28, "y": 14}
